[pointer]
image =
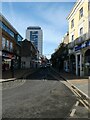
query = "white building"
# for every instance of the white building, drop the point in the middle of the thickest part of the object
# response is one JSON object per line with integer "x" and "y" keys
{"x": 35, "y": 35}
{"x": 79, "y": 38}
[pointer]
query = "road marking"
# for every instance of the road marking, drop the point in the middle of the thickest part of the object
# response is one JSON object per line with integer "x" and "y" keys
{"x": 73, "y": 112}
{"x": 15, "y": 84}
{"x": 84, "y": 104}
{"x": 75, "y": 91}
{"x": 77, "y": 103}
{"x": 44, "y": 79}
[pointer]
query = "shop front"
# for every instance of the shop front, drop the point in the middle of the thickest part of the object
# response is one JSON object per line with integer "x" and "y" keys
{"x": 87, "y": 62}
{"x": 82, "y": 52}
{"x": 72, "y": 63}
{"x": 6, "y": 60}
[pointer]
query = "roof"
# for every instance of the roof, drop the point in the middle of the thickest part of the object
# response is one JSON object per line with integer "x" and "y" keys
{"x": 33, "y": 28}
{"x": 29, "y": 42}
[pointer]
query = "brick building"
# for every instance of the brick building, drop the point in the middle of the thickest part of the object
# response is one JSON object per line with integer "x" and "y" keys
{"x": 28, "y": 54}
{"x": 9, "y": 47}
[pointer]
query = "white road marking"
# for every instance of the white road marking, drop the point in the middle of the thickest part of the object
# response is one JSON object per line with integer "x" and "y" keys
{"x": 76, "y": 93}
{"x": 16, "y": 84}
{"x": 77, "y": 103}
{"x": 73, "y": 112}
{"x": 84, "y": 104}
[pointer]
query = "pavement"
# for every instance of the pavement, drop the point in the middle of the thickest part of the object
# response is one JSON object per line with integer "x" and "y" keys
{"x": 7, "y": 75}
{"x": 80, "y": 83}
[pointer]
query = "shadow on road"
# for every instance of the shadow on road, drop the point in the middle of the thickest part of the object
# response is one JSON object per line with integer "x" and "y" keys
{"x": 42, "y": 74}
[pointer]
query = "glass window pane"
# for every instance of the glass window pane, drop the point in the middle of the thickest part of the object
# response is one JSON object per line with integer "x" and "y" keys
{"x": 81, "y": 31}
{"x": 3, "y": 42}
{"x": 11, "y": 46}
{"x": 81, "y": 12}
{"x": 0, "y": 24}
{"x": 4, "y": 27}
{"x": 7, "y": 45}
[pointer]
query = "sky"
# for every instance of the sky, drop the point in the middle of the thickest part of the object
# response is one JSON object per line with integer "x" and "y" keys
{"x": 50, "y": 16}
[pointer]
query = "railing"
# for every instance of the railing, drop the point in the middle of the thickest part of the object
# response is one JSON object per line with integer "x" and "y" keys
{"x": 71, "y": 45}
{"x": 79, "y": 40}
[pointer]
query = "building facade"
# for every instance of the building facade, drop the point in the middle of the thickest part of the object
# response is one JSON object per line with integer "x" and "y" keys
{"x": 10, "y": 48}
{"x": 28, "y": 54}
{"x": 79, "y": 38}
{"x": 66, "y": 64}
{"x": 35, "y": 35}
{"x": 60, "y": 58}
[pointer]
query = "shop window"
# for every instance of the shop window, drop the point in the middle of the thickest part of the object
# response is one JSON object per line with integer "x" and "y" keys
{"x": 81, "y": 13}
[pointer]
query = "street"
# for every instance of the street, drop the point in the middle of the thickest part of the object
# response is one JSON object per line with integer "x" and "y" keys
{"x": 40, "y": 96}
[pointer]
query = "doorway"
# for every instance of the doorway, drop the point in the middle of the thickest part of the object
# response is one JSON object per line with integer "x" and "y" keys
{"x": 78, "y": 64}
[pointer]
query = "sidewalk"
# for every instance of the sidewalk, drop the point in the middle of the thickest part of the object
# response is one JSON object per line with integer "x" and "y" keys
{"x": 81, "y": 83}
{"x": 6, "y": 75}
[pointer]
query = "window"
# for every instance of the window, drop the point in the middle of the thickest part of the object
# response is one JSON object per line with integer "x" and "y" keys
{"x": 88, "y": 5}
{"x": 89, "y": 24}
{"x": 34, "y": 37}
{"x": 11, "y": 33}
{"x": 0, "y": 24}
{"x": 11, "y": 46}
{"x": 81, "y": 31}
{"x": 5, "y": 28}
{"x": 7, "y": 44}
{"x": 72, "y": 23}
{"x": 72, "y": 38}
{"x": 81, "y": 13}
{"x": 3, "y": 42}
{"x": 19, "y": 38}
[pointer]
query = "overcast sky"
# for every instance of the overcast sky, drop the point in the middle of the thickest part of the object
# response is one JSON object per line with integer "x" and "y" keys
{"x": 50, "y": 16}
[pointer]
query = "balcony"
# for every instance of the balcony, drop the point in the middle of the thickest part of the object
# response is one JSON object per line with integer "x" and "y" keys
{"x": 71, "y": 45}
{"x": 81, "y": 39}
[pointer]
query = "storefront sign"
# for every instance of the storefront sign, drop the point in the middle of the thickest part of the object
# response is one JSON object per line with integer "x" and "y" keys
{"x": 79, "y": 47}
{"x": 7, "y": 55}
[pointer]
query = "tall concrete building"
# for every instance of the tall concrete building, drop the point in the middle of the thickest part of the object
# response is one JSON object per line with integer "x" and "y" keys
{"x": 35, "y": 35}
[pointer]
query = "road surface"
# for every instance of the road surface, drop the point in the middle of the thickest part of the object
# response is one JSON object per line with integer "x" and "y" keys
{"x": 40, "y": 96}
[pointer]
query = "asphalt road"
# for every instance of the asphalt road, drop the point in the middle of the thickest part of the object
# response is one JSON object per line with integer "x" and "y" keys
{"x": 41, "y": 96}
